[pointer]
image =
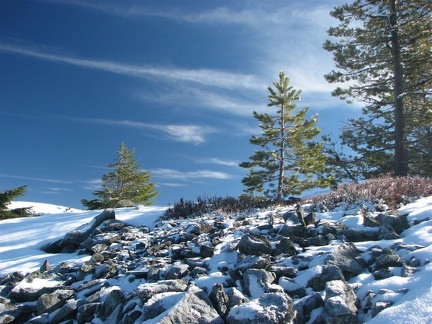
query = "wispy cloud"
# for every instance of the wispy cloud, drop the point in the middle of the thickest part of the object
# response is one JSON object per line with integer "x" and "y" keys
{"x": 241, "y": 104}
{"x": 194, "y": 134}
{"x": 93, "y": 184}
{"x": 219, "y": 161}
{"x": 209, "y": 77}
{"x": 190, "y": 175}
{"x": 12, "y": 176}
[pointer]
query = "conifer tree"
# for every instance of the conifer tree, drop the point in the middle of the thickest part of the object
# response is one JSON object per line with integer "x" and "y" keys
{"x": 383, "y": 54}
{"x": 124, "y": 186}
{"x": 6, "y": 197}
{"x": 288, "y": 161}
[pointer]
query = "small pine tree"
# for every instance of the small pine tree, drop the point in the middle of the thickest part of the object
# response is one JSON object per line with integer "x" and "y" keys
{"x": 289, "y": 162}
{"x": 124, "y": 186}
{"x": 6, "y": 198}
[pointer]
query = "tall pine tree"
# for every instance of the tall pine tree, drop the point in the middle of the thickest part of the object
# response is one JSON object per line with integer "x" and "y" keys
{"x": 288, "y": 161}
{"x": 124, "y": 186}
{"x": 383, "y": 52}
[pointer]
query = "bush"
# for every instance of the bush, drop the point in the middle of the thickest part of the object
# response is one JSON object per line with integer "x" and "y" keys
{"x": 227, "y": 205}
{"x": 392, "y": 191}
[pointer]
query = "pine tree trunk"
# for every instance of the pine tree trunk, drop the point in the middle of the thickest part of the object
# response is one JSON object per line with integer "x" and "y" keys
{"x": 400, "y": 147}
{"x": 281, "y": 156}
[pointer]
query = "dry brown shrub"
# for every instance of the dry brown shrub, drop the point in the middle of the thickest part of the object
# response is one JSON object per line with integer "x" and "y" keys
{"x": 392, "y": 191}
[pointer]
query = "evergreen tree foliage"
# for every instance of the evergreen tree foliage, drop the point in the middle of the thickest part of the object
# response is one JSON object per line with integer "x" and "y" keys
{"x": 288, "y": 161}
{"x": 6, "y": 197}
{"x": 124, "y": 186}
{"x": 383, "y": 52}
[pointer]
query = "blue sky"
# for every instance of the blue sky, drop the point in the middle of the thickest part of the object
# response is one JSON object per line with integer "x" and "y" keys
{"x": 176, "y": 80}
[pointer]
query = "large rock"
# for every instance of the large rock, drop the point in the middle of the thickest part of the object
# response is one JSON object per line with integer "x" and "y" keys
{"x": 50, "y": 302}
{"x": 328, "y": 273}
{"x": 294, "y": 230}
{"x": 398, "y": 223}
{"x": 339, "y": 304}
{"x": 220, "y": 300}
{"x": 286, "y": 246}
{"x": 254, "y": 244}
{"x": 256, "y": 281}
{"x": 253, "y": 262}
{"x": 31, "y": 291}
{"x": 113, "y": 299}
{"x": 147, "y": 290}
{"x": 194, "y": 308}
{"x": 73, "y": 239}
{"x": 347, "y": 258}
{"x": 356, "y": 235}
{"x": 268, "y": 308}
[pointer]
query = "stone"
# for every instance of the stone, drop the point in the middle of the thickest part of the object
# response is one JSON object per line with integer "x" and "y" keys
{"x": 328, "y": 273}
{"x": 286, "y": 246}
{"x": 347, "y": 258}
{"x": 220, "y": 300}
{"x": 160, "y": 303}
{"x": 147, "y": 290}
{"x": 73, "y": 239}
{"x": 387, "y": 232}
{"x": 340, "y": 299}
{"x": 398, "y": 223}
{"x": 235, "y": 297}
{"x": 319, "y": 240}
{"x": 254, "y": 244}
{"x": 253, "y": 262}
{"x": 355, "y": 235}
{"x": 87, "y": 312}
{"x": 293, "y": 230}
{"x": 193, "y": 308}
{"x": 388, "y": 259}
{"x": 24, "y": 291}
{"x": 313, "y": 302}
{"x": 115, "y": 297}
{"x": 176, "y": 271}
{"x": 255, "y": 281}
{"x": 268, "y": 308}
{"x": 52, "y": 301}
{"x": 284, "y": 271}
{"x": 206, "y": 251}
{"x": 67, "y": 311}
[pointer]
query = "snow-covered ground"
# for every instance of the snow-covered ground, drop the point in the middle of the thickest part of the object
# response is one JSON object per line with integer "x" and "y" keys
{"x": 21, "y": 239}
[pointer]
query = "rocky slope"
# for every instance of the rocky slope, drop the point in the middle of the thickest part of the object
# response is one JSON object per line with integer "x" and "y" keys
{"x": 270, "y": 266}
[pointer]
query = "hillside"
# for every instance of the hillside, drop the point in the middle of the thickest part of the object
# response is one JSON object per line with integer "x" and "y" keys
{"x": 256, "y": 267}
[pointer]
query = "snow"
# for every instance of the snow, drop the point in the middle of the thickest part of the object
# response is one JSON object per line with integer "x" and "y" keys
{"x": 22, "y": 238}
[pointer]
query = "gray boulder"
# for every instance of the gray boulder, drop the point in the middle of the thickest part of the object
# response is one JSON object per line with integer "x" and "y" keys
{"x": 115, "y": 297}
{"x": 176, "y": 271}
{"x": 235, "y": 297}
{"x": 340, "y": 303}
{"x": 286, "y": 246}
{"x": 27, "y": 292}
{"x": 73, "y": 239}
{"x": 347, "y": 258}
{"x": 294, "y": 230}
{"x": 256, "y": 281}
{"x": 268, "y": 308}
{"x": 193, "y": 308}
{"x": 253, "y": 262}
{"x": 50, "y": 302}
{"x": 220, "y": 300}
{"x": 147, "y": 290}
{"x": 254, "y": 244}
{"x": 328, "y": 273}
